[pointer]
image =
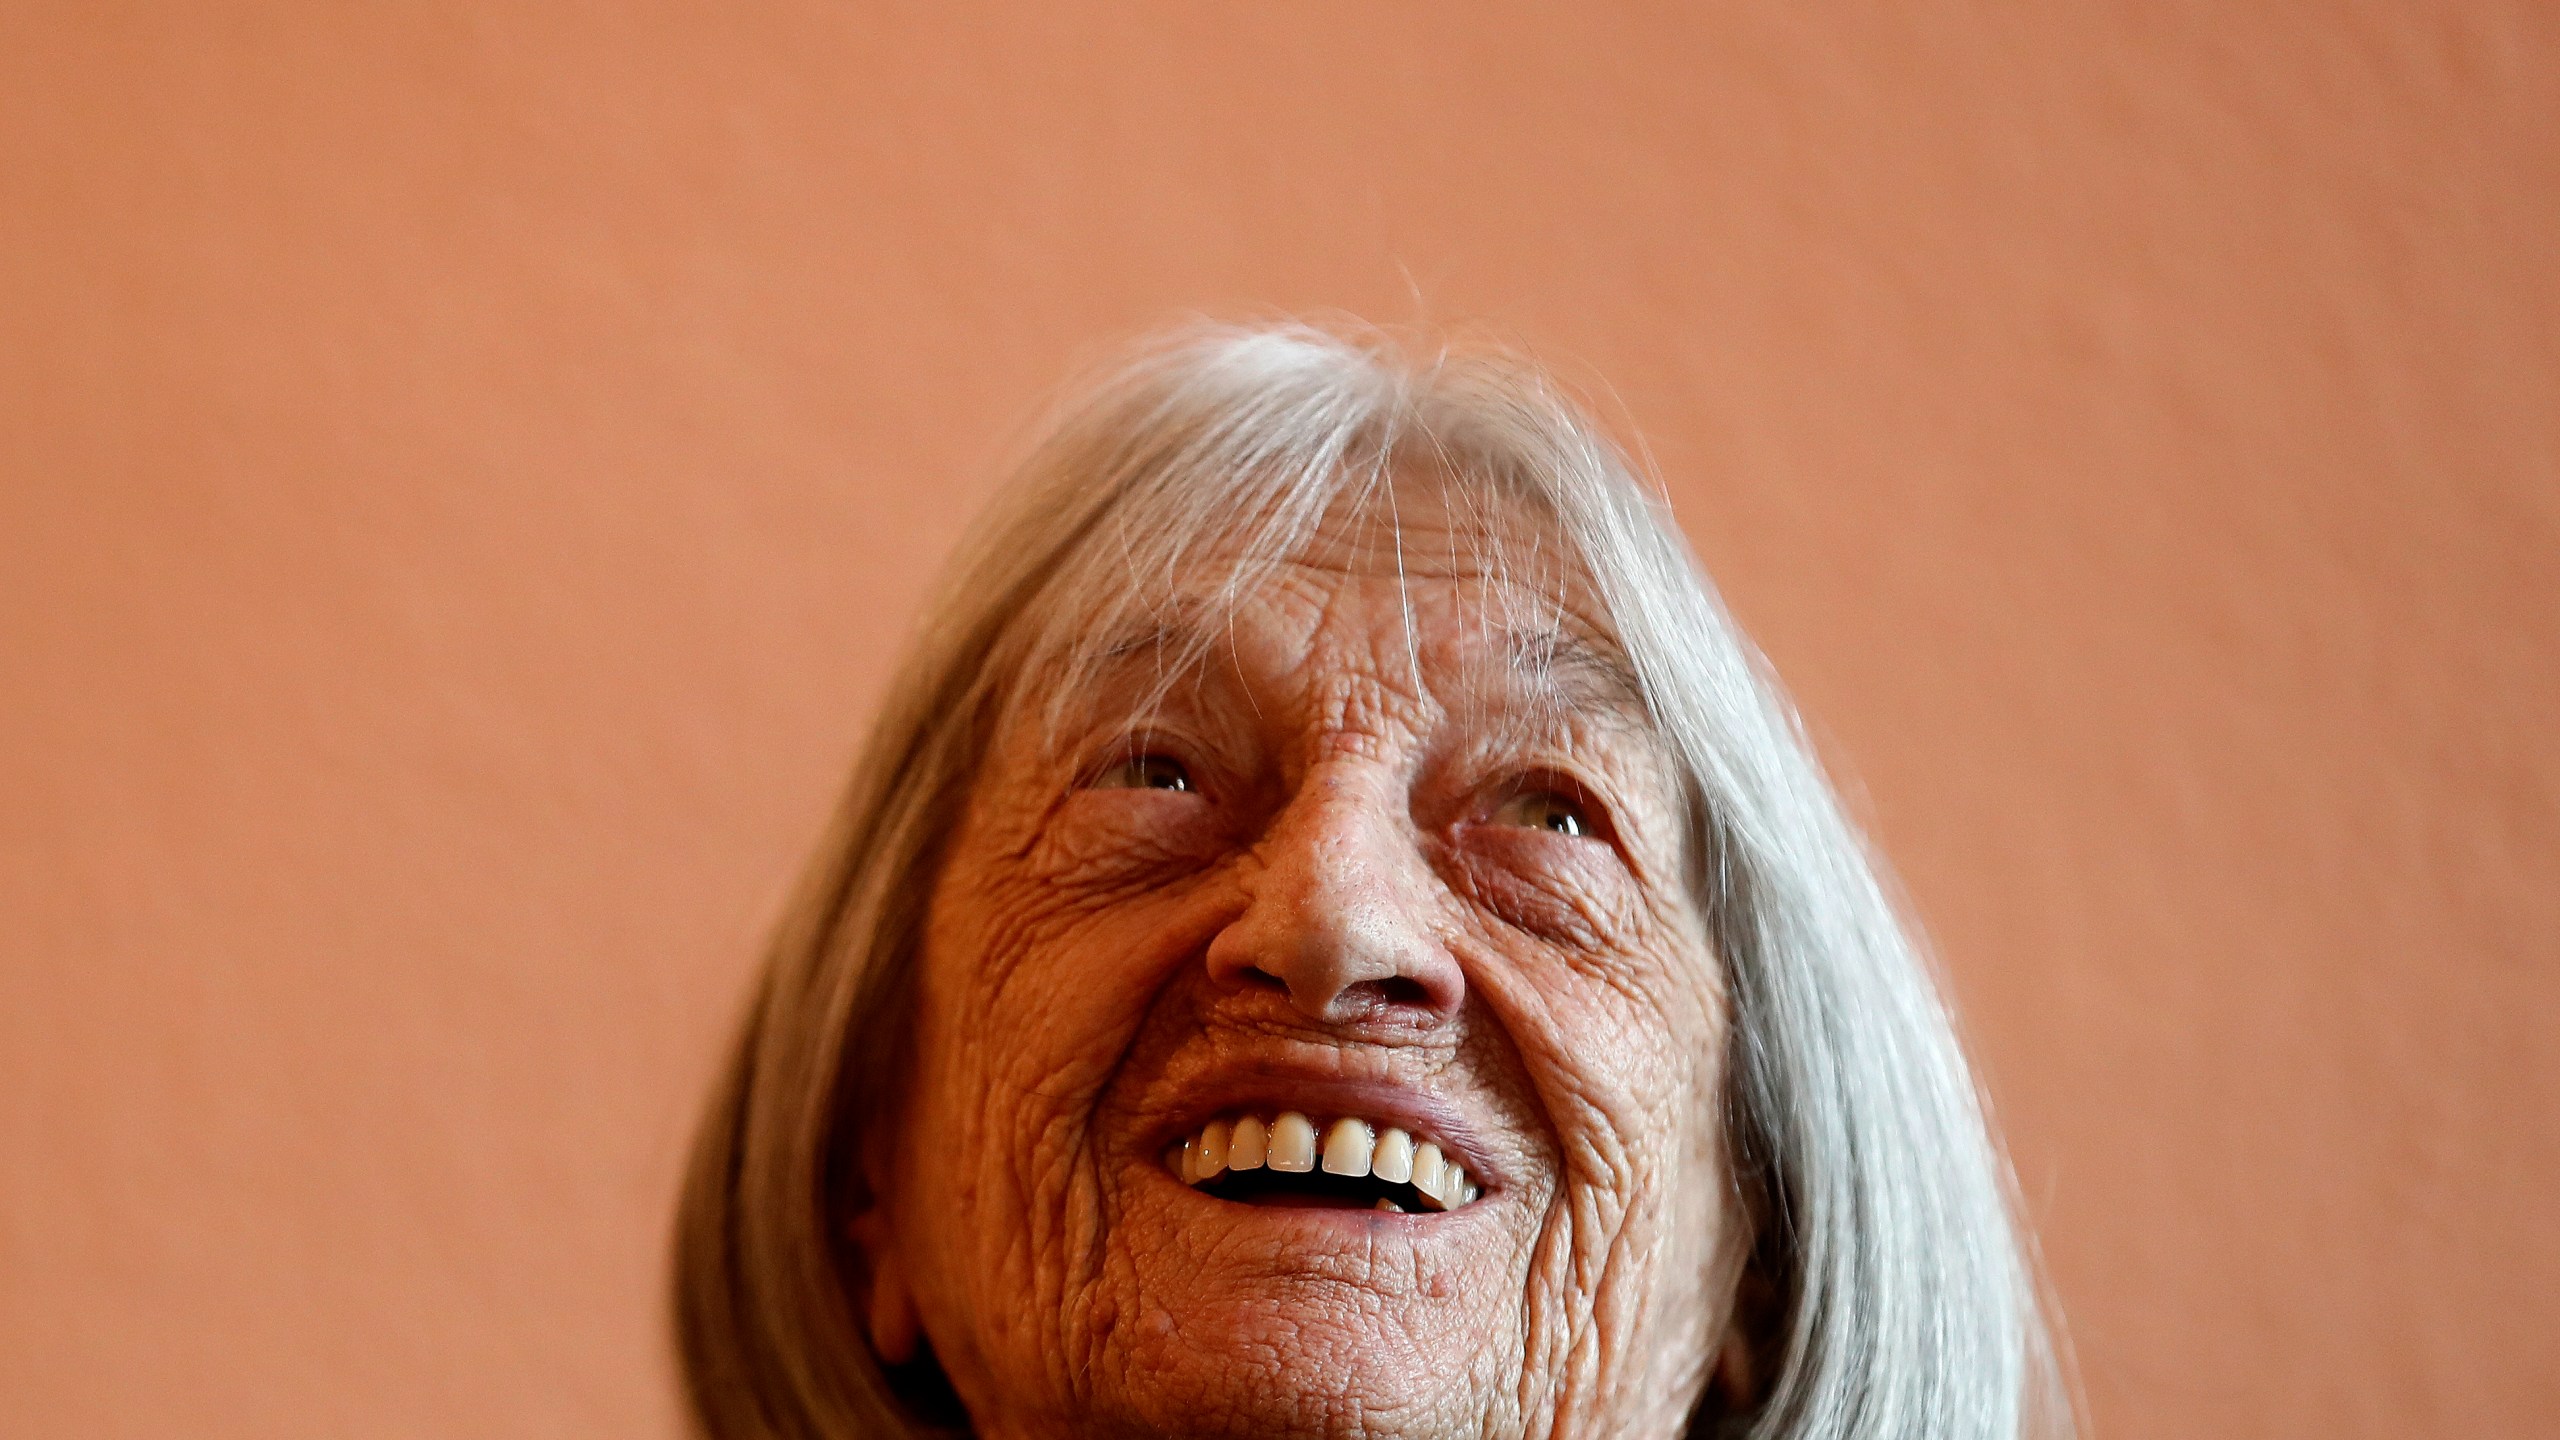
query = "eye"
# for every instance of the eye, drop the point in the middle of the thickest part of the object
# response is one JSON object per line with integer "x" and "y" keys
{"x": 1547, "y": 810}
{"x": 1144, "y": 772}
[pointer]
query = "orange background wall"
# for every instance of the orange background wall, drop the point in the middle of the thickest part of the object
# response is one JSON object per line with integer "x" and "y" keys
{"x": 464, "y": 469}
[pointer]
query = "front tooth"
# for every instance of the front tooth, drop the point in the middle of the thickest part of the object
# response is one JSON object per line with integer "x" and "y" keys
{"x": 1388, "y": 1206}
{"x": 1453, "y": 1187}
{"x": 1292, "y": 1145}
{"x": 1427, "y": 1166}
{"x": 1393, "y": 1161}
{"x": 1245, "y": 1145}
{"x": 1211, "y": 1155}
{"x": 1347, "y": 1146}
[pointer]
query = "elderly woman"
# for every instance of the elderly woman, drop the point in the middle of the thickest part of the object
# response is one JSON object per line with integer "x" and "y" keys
{"x": 1333, "y": 934}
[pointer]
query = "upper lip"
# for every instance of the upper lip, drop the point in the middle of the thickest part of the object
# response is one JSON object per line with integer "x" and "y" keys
{"x": 1268, "y": 1090}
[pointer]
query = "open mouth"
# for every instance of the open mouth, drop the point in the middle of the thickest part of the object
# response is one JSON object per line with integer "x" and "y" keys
{"x": 1359, "y": 1166}
{"x": 1315, "y": 1190}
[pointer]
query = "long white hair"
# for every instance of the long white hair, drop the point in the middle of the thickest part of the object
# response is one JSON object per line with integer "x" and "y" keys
{"x": 1900, "y": 1298}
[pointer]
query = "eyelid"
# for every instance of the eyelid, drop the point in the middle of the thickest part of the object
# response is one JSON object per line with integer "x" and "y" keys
{"x": 1130, "y": 749}
{"x": 1549, "y": 780}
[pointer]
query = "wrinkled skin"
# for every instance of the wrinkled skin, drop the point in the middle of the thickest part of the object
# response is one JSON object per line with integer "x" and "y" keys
{"x": 1359, "y": 882}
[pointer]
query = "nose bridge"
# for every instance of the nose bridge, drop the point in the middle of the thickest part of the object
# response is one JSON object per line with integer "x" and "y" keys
{"x": 1340, "y": 913}
{"x": 1342, "y": 844}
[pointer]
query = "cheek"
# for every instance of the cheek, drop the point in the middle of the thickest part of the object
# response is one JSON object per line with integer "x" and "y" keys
{"x": 1050, "y": 932}
{"x": 1626, "y": 1048}
{"x": 1029, "y": 994}
{"x": 997, "y": 1031}
{"x": 1006, "y": 1056}
{"x": 1637, "y": 1234}
{"x": 1574, "y": 897}
{"x": 1103, "y": 846}
{"x": 1028, "y": 985}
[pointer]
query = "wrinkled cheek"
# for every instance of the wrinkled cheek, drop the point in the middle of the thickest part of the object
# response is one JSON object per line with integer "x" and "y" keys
{"x": 1594, "y": 1305}
{"x": 1026, "y": 1217}
{"x": 1021, "y": 1229}
{"x": 1620, "y": 1267}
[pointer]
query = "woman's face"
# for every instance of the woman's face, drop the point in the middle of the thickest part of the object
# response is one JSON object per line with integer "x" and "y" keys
{"x": 1395, "y": 869}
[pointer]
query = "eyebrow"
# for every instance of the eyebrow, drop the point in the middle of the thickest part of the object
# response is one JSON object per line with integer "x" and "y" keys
{"x": 1177, "y": 636}
{"x": 1564, "y": 671}
{"x": 1583, "y": 674}
{"x": 1186, "y": 627}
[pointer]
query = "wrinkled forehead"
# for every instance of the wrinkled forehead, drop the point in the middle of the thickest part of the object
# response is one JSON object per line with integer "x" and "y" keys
{"x": 1422, "y": 523}
{"x": 1452, "y": 598}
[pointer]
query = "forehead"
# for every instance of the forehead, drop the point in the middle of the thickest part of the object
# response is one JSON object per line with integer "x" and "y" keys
{"x": 1420, "y": 590}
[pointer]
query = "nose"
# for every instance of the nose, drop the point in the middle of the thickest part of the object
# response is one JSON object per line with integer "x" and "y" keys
{"x": 1339, "y": 916}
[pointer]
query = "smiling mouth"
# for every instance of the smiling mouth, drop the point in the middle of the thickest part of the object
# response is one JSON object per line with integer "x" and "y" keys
{"x": 1360, "y": 1166}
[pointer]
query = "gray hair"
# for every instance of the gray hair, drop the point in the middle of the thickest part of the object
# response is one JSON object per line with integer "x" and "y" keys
{"x": 1905, "y": 1299}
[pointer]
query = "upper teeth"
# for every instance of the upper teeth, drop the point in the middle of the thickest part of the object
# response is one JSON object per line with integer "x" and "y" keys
{"x": 1352, "y": 1147}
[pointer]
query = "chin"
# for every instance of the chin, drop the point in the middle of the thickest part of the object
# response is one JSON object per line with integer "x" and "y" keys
{"x": 1259, "y": 1321}
{"x": 1295, "y": 1361}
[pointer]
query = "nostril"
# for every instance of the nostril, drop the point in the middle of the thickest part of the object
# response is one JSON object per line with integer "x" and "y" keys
{"x": 1404, "y": 990}
{"x": 1255, "y": 975}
